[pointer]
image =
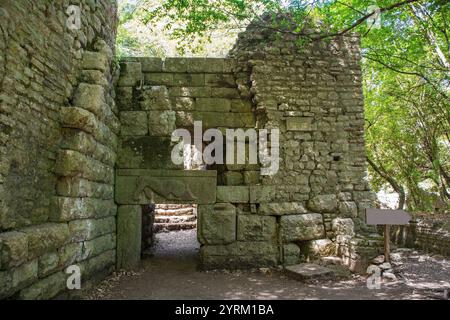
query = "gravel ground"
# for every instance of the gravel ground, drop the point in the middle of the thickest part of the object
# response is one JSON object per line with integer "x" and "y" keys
{"x": 169, "y": 271}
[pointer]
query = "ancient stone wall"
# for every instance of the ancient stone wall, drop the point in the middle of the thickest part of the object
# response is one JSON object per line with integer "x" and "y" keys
{"x": 314, "y": 205}
{"x": 57, "y": 144}
{"x": 431, "y": 234}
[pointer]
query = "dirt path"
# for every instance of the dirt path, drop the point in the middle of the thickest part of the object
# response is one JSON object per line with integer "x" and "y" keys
{"x": 171, "y": 274}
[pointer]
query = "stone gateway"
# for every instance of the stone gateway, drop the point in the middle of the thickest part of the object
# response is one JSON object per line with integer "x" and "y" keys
{"x": 85, "y": 142}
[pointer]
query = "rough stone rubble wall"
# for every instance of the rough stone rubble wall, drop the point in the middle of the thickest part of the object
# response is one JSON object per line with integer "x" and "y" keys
{"x": 57, "y": 145}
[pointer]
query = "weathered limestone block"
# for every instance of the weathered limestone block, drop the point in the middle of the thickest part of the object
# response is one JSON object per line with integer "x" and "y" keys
{"x": 94, "y": 77}
{"x": 77, "y": 187}
{"x": 101, "y": 265}
{"x": 299, "y": 124}
{"x": 146, "y": 153}
{"x": 45, "y": 238}
{"x": 262, "y": 194}
{"x": 229, "y": 93}
{"x": 69, "y": 254}
{"x": 302, "y": 227}
{"x": 239, "y": 255}
{"x": 130, "y": 74}
{"x": 166, "y": 186}
{"x": 189, "y": 80}
{"x": 25, "y": 274}
{"x": 72, "y": 163}
{"x": 343, "y": 226}
{"x": 256, "y": 228}
{"x": 213, "y": 104}
{"x": 87, "y": 229}
{"x": 129, "y": 229}
{"x": 13, "y": 249}
{"x": 193, "y": 92}
{"x": 217, "y": 223}
{"x": 48, "y": 263}
{"x": 151, "y": 64}
{"x": 281, "y": 208}
{"x": 134, "y": 123}
{"x": 124, "y": 98}
{"x": 95, "y": 61}
{"x": 98, "y": 245}
{"x": 232, "y": 120}
{"x": 205, "y": 65}
{"x": 154, "y": 98}
{"x": 232, "y": 178}
{"x": 161, "y": 123}
{"x": 220, "y": 80}
{"x": 291, "y": 254}
{"x": 176, "y": 64}
{"x": 85, "y": 143}
{"x": 323, "y": 203}
{"x": 90, "y": 97}
{"x": 69, "y": 209}
{"x": 348, "y": 209}
{"x": 233, "y": 194}
{"x": 320, "y": 248}
{"x": 45, "y": 288}
{"x": 165, "y": 79}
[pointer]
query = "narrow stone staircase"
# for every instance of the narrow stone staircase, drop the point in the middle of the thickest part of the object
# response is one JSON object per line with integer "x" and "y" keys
{"x": 173, "y": 217}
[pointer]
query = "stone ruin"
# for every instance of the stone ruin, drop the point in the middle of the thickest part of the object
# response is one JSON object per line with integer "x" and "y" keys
{"x": 85, "y": 143}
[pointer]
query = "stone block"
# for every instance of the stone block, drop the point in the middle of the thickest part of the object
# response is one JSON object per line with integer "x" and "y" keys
{"x": 342, "y": 226}
{"x": 98, "y": 245}
{"x": 220, "y": 80}
{"x": 154, "y": 98}
{"x": 302, "y": 227}
{"x": 232, "y": 120}
{"x": 229, "y": 93}
{"x": 161, "y": 123}
{"x": 87, "y": 229}
{"x": 48, "y": 263}
{"x": 176, "y": 65}
{"x": 90, "y": 97}
{"x": 134, "y": 123}
{"x": 256, "y": 228}
{"x": 348, "y": 209}
{"x": 281, "y": 208}
{"x": 299, "y": 124}
{"x": 291, "y": 254}
{"x": 213, "y": 104}
{"x": 13, "y": 249}
{"x": 205, "y": 65}
{"x": 261, "y": 194}
{"x": 151, "y": 64}
{"x": 193, "y": 92}
{"x": 146, "y": 153}
{"x": 183, "y": 103}
{"x": 323, "y": 203}
{"x": 233, "y": 178}
{"x": 217, "y": 223}
{"x": 166, "y": 186}
{"x": 46, "y": 288}
{"x": 45, "y": 238}
{"x": 233, "y": 194}
{"x": 129, "y": 228}
{"x": 25, "y": 274}
{"x": 188, "y": 80}
{"x": 69, "y": 254}
{"x": 69, "y": 209}
{"x": 161, "y": 79}
{"x": 95, "y": 61}
{"x": 130, "y": 74}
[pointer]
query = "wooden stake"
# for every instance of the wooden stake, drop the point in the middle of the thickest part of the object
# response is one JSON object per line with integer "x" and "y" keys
{"x": 387, "y": 243}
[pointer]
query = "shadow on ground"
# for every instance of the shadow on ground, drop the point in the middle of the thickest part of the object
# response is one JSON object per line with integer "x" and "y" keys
{"x": 169, "y": 271}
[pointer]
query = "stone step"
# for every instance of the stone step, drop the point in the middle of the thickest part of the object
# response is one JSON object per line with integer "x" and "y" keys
{"x": 308, "y": 271}
{"x": 175, "y": 212}
{"x": 166, "y": 227}
{"x": 175, "y": 219}
{"x": 173, "y": 206}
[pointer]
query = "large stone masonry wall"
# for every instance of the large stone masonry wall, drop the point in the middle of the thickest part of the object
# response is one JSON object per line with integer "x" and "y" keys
{"x": 313, "y": 206}
{"x": 57, "y": 145}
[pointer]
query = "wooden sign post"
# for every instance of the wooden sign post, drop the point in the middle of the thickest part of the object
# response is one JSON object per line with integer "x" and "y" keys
{"x": 387, "y": 218}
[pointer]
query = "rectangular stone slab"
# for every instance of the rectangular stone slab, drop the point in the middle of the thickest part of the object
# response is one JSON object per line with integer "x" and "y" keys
{"x": 165, "y": 186}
